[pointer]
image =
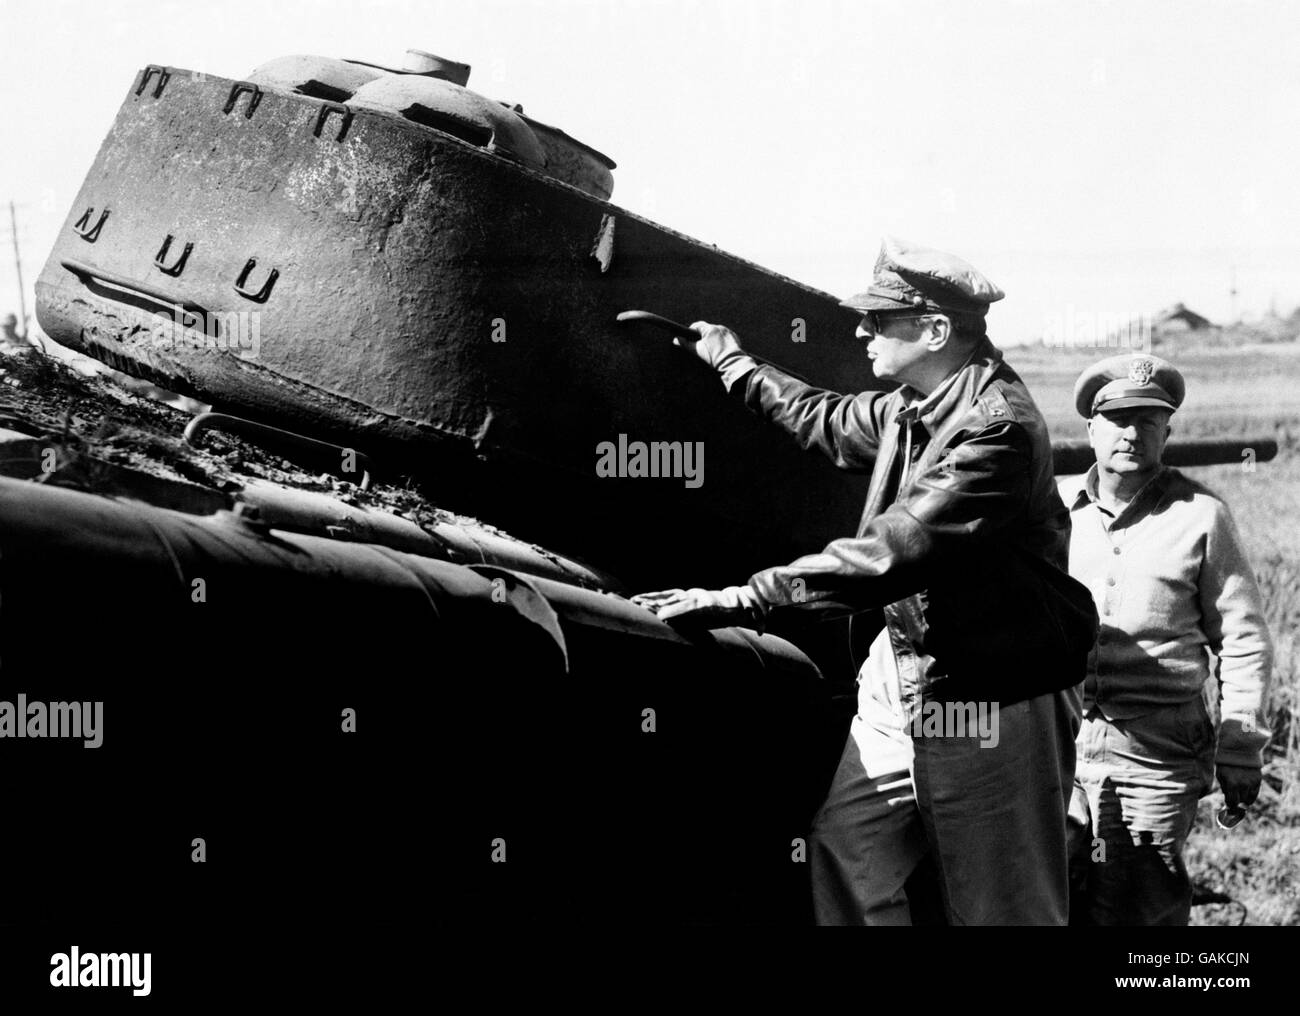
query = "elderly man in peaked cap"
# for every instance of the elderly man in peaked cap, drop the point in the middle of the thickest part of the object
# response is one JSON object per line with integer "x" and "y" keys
{"x": 1164, "y": 563}
{"x": 957, "y": 574}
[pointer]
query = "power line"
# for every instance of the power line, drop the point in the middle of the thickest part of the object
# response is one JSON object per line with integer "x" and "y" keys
{"x": 18, "y": 264}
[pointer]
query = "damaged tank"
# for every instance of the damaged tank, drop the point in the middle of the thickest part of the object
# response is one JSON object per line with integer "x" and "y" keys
{"x": 418, "y": 689}
{"x": 381, "y": 274}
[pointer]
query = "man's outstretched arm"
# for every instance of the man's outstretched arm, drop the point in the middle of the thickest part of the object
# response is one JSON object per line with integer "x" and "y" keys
{"x": 845, "y": 428}
{"x": 970, "y": 493}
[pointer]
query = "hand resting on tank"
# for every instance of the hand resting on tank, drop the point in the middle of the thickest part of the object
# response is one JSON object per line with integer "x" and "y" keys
{"x": 735, "y": 606}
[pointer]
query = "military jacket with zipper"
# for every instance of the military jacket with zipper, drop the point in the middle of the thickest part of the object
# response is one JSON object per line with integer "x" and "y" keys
{"x": 963, "y": 542}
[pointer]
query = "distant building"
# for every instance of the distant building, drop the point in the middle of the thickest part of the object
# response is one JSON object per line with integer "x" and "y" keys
{"x": 1178, "y": 318}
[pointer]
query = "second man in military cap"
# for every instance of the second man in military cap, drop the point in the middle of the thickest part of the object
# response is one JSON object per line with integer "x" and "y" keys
{"x": 1166, "y": 568}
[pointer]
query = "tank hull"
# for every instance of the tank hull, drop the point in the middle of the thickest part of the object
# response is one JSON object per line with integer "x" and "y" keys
{"x": 353, "y": 729}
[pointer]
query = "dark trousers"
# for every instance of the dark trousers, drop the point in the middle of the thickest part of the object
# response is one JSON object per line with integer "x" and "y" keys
{"x": 1135, "y": 798}
{"x": 979, "y": 828}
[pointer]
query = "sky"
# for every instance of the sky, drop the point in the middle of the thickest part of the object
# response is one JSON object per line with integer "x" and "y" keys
{"x": 1095, "y": 159}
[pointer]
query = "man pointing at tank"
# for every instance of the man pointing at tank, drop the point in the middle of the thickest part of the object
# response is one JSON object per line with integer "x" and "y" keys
{"x": 958, "y": 569}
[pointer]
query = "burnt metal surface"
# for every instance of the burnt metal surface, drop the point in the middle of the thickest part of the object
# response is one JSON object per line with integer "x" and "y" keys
{"x": 345, "y": 462}
{"x": 386, "y": 260}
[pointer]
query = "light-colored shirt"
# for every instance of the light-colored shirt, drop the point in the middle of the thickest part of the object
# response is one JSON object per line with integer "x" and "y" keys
{"x": 884, "y": 742}
{"x": 1172, "y": 586}
{"x": 883, "y": 733}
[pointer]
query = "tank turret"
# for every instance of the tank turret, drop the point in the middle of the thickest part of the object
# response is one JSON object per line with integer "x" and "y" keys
{"x": 387, "y": 260}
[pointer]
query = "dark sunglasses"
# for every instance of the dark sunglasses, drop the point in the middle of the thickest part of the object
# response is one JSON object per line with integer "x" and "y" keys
{"x": 876, "y": 320}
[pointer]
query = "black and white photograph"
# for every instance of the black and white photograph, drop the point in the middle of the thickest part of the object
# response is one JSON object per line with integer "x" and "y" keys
{"x": 550, "y": 475}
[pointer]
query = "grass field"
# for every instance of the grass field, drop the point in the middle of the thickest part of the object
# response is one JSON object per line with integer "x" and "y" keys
{"x": 1251, "y": 391}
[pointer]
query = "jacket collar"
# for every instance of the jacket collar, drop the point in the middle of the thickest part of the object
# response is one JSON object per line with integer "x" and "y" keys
{"x": 954, "y": 391}
{"x": 1145, "y": 498}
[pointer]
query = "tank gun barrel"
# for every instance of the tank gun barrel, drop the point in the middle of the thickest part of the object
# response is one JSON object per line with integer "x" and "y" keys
{"x": 1068, "y": 457}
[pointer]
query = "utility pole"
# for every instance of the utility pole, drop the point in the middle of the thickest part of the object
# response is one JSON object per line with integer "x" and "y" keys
{"x": 1232, "y": 293}
{"x": 18, "y": 263}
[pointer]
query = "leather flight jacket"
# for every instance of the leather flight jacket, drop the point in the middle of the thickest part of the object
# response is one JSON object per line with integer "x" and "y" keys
{"x": 962, "y": 548}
